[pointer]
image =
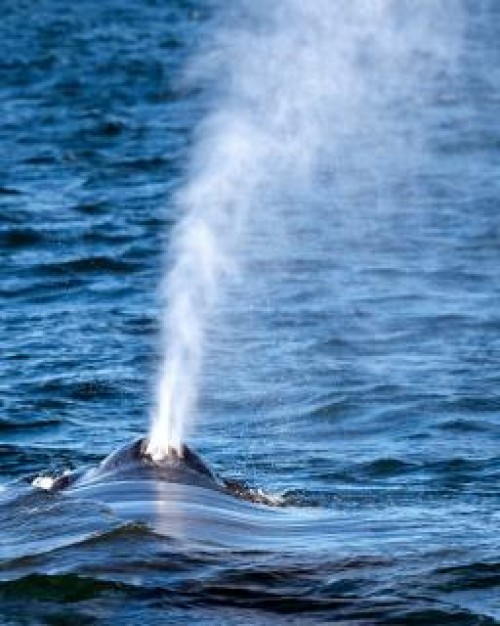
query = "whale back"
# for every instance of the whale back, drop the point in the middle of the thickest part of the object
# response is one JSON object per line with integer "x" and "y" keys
{"x": 130, "y": 467}
{"x": 132, "y": 462}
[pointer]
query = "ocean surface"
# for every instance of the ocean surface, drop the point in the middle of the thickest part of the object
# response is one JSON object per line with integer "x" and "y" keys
{"x": 352, "y": 372}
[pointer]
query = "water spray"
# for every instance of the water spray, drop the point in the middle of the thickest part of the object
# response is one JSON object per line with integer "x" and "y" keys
{"x": 290, "y": 84}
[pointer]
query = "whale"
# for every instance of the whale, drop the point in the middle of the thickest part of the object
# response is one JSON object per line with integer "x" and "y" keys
{"x": 178, "y": 496}
{"x": 132, "y": 464}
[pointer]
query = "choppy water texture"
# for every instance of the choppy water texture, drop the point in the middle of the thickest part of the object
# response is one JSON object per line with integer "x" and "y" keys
{"x": 354, "y": 371}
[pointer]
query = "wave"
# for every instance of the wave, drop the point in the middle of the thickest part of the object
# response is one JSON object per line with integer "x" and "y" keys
{"x": 90, "y": 265}
{"x": 14, "y": 238}
{"x": 276, "y": 593}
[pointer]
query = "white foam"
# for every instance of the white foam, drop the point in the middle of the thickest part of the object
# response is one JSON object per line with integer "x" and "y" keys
{"x": 44, "y": 482}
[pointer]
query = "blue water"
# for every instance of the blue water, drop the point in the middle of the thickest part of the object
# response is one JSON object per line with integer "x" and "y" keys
{"x": 353, "y": 373}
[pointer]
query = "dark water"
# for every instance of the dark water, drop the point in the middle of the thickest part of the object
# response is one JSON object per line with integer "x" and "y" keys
{"x": 356, "y": 375}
